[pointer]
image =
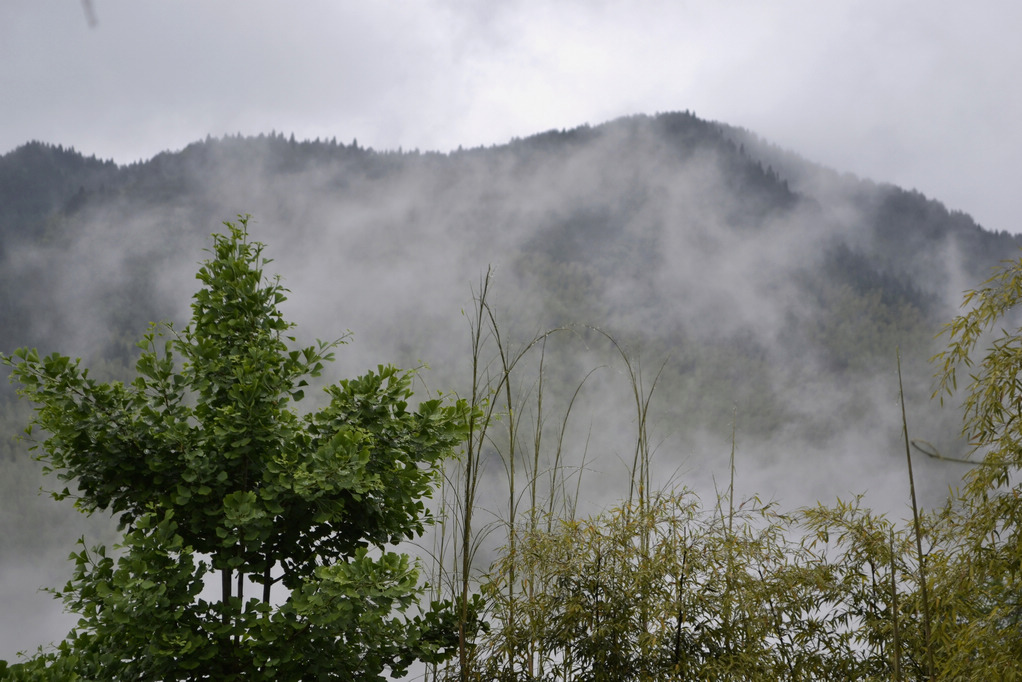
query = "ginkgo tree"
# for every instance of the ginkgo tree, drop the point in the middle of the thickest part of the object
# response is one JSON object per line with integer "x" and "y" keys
{"x": 255, "y": 537}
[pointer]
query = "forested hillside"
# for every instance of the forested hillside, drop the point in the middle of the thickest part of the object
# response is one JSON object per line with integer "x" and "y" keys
{"x": 646, "y": 207}
{"x": 766, "y": 295}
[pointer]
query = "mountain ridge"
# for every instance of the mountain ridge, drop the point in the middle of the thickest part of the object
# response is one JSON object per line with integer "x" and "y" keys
{"x": 673, "y": 231}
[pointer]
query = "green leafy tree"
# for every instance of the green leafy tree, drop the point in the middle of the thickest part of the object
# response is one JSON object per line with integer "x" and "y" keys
{"x": 213, "y": 473}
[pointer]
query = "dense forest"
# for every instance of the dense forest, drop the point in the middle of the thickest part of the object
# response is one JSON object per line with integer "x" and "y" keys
{"x": 655, "y": 319}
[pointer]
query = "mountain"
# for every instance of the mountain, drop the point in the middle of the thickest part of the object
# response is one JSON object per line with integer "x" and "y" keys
{"x": 37, "y": 180}
{"x": 681, "y": 235}
{"x": 765, "y": 293}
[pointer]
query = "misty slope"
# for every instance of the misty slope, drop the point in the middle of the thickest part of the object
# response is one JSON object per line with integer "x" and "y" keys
{"x": 768, "y": 281}
{"x": 778, "y": 289}
{"x": 750, "y": 267}
{"x": 742, "y": 261}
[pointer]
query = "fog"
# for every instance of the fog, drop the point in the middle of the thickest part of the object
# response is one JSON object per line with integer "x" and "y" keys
{"x": 683, "y": 249}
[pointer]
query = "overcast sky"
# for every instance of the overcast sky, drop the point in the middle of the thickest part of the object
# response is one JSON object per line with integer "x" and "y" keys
{"x": 923, "y": 93}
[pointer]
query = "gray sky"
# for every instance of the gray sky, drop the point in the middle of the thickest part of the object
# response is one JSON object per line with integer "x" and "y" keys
{"x": 922, "y": 93}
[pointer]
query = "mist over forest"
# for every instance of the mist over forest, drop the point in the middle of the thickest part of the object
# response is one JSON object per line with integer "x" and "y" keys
{"x": 762, "y": 298}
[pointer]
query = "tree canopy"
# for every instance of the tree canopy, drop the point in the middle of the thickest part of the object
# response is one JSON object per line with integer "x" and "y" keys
{"x": 211, "y": 470}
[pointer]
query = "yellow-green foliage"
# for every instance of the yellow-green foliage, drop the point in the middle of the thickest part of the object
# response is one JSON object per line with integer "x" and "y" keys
{"x": 670, "y": 590}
